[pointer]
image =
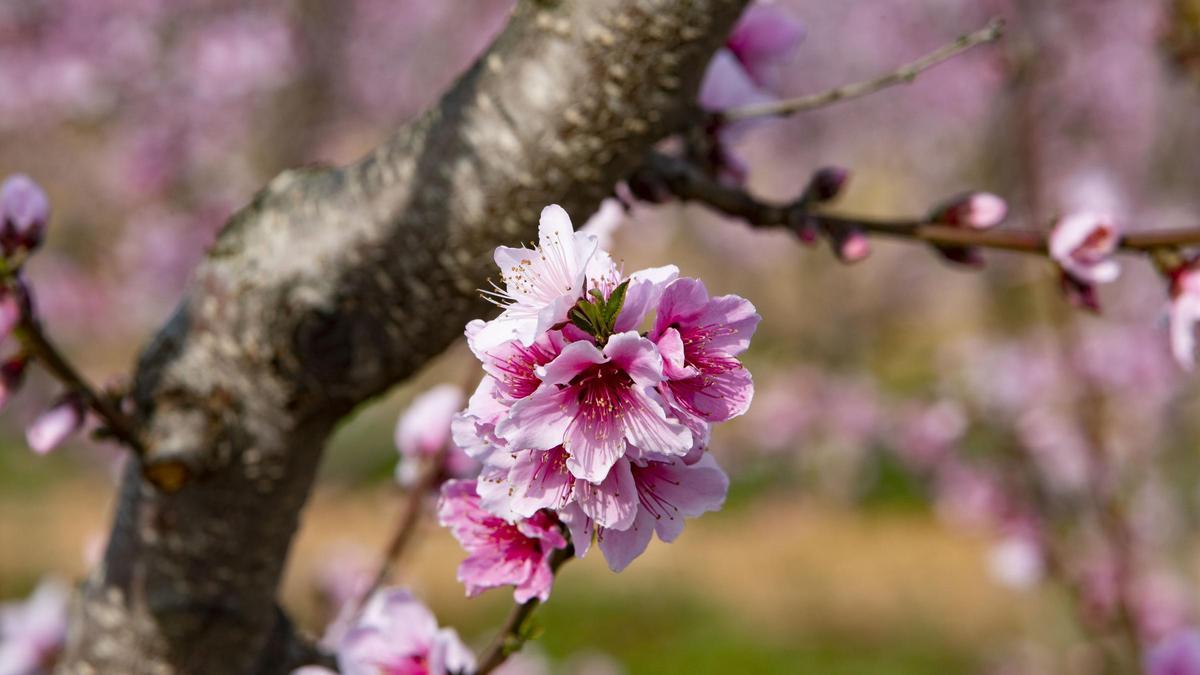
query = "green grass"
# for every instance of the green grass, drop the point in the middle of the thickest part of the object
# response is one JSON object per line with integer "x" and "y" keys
{"x": 663, "y": 631}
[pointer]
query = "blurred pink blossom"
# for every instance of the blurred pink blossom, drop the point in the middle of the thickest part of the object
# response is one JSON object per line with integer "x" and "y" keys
{"x": 33, "y": 632}
{"x": 398, "y": 635}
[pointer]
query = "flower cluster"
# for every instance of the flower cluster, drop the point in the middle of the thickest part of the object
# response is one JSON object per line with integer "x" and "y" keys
{"x": 595, "y": 410}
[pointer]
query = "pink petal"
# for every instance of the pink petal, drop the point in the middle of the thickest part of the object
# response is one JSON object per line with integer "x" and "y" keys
{"x": 424, "y": 427}
{"x": 621, "y": 547}
{"x": 613, "y": 502}
{"x": 541, "y": 421}
{"x": 54, "y": 426}
{"x": 637, "y": 356}
{"x": 573, "y": 360}
{"x": 763, "y": 39}
{"x": 728, "y": 85}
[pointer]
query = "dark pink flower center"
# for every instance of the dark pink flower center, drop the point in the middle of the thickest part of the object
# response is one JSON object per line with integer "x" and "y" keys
{"x": 552, "y": 466}
{"x": 697, "y": 352}
{"x": 604, "y": 395}
{"x": 516, "y": 373}
{"x": 649, "y": 480}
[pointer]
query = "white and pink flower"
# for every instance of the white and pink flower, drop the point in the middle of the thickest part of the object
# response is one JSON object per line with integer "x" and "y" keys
{"x": 587, "y": 422}
{"x": 700, "y": 338}
{"x": 595, "y": 402}
{"x": 651, "y": 496}
{"x": 398, "y": 635}
{"x": 540, "y": 284}
{"x": 423, "y": 433}
{"x": 501, "y": 552}
{"x": 1083, "y": 244}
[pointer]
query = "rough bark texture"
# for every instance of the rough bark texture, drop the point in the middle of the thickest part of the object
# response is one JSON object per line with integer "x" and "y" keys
{"x": 334, "y": 285}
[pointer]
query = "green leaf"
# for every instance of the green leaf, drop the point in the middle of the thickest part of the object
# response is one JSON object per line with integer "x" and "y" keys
{"x": 616, "y": 301}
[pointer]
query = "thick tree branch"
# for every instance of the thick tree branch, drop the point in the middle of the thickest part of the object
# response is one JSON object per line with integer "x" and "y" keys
{"x": 332, "y": 286}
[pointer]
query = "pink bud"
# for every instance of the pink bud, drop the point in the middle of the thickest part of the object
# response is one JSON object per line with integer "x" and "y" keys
{"x": 12, "y": 374}
{"x": 55, "y": 425}
{"x": 826, "y": 184}
{"x": 977, "y": 210}
{"x": 1083, "y": 244}
{"x": 24, "y": 210}
{"x": 851, "y": 245}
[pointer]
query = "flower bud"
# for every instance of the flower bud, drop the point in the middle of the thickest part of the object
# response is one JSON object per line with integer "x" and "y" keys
{"x": 850, "y": 246}
{"x": 1083, "y": 244}
{"x": 55, "y": 425}
{"x": 12, "y": 374}
{"x": 976, "y": 210}
{"x": 826, "y": 184}
{"x": 802, "y": 225}
{"x": 24, "y": 211}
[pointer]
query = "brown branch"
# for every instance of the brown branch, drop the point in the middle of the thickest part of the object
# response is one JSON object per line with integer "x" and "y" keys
{"x": 512, "y": 635}
{"x": 904, "y": 75}
{"x": 406, "y": 524}
{"x": 689, "y": 183}
{"x": 37, "y": 344}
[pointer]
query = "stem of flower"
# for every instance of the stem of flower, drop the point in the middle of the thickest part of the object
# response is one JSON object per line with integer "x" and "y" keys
{"x": 37, "y": 345}
{"x": 902, "y": 75}
{"x": 406, "y": 524}
{"x": 512, "y": 635}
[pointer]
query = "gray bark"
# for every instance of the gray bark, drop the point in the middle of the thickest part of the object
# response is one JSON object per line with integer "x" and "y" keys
{"x": 334, "y": 285}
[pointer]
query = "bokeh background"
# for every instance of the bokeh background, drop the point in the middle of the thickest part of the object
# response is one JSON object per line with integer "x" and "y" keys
{"x": 915, "y": 487}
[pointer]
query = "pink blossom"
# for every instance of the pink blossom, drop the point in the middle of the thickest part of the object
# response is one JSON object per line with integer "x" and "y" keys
{"x": 700, "y": 338}
{"x": 664, "y": 492}
{"x": 540, "y": 284}
{"x": 33, "y": 632}
{"x": 399, "y": 636}
{"x": 594, "y": 403}
{"x": 423, "y": 430}
{"x": 727, "y": 85}
{"x": 55, "y": 425}
{"x": 1184, "y": 313}
{"x": 973, "y": 210}
{"x": 976, "y": 210}
{"x": 745, "y": 73}
{"x": 500, "y": 552}
{"x": 1082, "y": 244}
{"x": 763, "y": 40}
{"x": 24, "y": 210}
{"x": 1178, "y": 654}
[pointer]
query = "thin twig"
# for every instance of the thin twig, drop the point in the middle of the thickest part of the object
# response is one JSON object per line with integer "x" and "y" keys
{"x": 38, "y": 345}
{"x": 406, "y": 525}
{"x": 512, "y": 637}
{"x": 903, "y": 75}
{"x": 689, "y": 183}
